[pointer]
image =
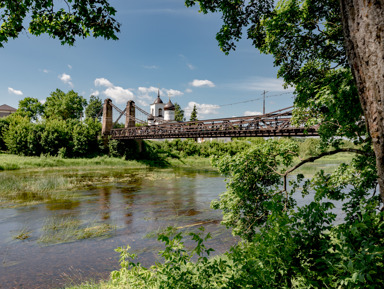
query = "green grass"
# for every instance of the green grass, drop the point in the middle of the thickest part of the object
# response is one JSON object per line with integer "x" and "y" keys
{"x": 15, "y": 162}
{"x": 63, "y": 230}
{"x": 32, "y": 189}
{"x": 23, "y": 234}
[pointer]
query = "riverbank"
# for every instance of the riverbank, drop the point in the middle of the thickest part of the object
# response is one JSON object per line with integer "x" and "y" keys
{"x": 54, "y": 179}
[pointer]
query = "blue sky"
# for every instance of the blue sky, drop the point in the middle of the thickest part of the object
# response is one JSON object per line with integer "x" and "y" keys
{"x": 162, "y": 45}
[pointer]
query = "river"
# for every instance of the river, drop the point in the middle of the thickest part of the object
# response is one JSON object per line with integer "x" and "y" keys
{"x": 135, "y": 206}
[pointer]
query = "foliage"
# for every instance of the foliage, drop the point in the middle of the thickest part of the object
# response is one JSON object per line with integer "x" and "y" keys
{"x": 342, "y": 256}
{"x": 189, "y": 147}
{"x": 85, "y": 137}
{"x": 56, "y": 135}
{"x": 307, "y": 42}
{"x": 253, "y": 185}
{"x": 65, "y": 106}
{"x": 67, "y": 138}
{"x": 94, "y": 107}
{"x": 179, "y": 113}
{"x": 193, "y": 114}
{"x": 30, "y": 107}
{"x": 23, "y": 137}
{"x": 66, "y": 21}
{"x": 3, "y": 128}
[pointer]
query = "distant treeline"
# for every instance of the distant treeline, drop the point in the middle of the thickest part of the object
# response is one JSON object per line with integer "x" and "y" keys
{"x": 66, "y": 125}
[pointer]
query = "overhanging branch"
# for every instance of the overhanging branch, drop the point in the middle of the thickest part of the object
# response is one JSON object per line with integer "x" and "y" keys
{"x": 312, "y": 159}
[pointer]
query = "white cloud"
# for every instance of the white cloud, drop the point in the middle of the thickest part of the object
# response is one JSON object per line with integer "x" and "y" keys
{"x": 103, "y": 82}
{"x": 250, "y": 113}
{"x": 188, "y": 90}
{"x": 190, "y": 66}
{"x": 173, "y": 92}
{"x": 146, "y": 90}
{"x": 95, "y": 93}
{"x": 14, "y": 91}
{"x": 69, "y": 66}
{"x": 262, "y": 83}
{"x": 66, "y": 78}
{"x": 46, "y": 71}
{"x": 42, "y": 101}
{"x": 202, "y": 109}
{"x": 202, "y": 83}
{"x": 119, "y": 94}
{"x": 150, "y": 93}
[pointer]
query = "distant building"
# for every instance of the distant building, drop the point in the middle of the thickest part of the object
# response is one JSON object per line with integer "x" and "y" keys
{"x": 6, "y": 110}
{"x": 161, "y": 112}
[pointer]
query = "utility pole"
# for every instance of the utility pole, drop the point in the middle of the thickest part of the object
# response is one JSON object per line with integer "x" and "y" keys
{"x": 264, "y": 101}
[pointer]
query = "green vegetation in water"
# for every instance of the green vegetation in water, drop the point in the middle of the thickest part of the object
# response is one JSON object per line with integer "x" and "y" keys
{"x": 23, "y": 234}
{"x": 32, "y": 189}
{"x": 15, "y": 162}
{"x": 63, "y": 230}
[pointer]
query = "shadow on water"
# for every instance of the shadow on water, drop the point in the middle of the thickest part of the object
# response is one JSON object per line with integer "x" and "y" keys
{"x": 72, "y": 241}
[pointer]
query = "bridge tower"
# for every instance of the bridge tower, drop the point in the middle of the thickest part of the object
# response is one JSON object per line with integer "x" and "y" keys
{"x": 107, "y": 117}
{"x": 130, "y": 114}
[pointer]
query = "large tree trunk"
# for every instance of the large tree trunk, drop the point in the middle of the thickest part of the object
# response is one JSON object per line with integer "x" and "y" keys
{"x": 363, "y": 24}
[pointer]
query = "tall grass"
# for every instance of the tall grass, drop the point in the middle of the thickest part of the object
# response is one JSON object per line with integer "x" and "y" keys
{"x": 26, "y": 190}
{"x": 68, "y": 229}
{"x": 14, "y": 162}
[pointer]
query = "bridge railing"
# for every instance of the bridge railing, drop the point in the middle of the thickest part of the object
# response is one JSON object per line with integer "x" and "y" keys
{"x": 271, "y": 124}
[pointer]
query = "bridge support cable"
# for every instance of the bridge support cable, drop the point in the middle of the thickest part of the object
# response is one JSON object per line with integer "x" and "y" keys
{"x": 274, "y": 124}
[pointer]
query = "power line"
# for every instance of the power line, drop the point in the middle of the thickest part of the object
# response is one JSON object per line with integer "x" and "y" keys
{"x": 255, "y": 99}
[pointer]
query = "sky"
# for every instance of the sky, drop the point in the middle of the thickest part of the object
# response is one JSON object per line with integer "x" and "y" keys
{"x": 163, "y": 46}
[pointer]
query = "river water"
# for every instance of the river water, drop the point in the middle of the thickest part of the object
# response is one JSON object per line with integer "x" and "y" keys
{"x": 136, "y": 204}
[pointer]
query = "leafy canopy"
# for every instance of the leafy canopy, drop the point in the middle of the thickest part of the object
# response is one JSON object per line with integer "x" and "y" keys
{"x": 94, "y": 108}
{"x": 62, "y": 105}
{"x": 31, "y": 107}
{"x": 64, "y": 20}
{"x": 306, "y": 40}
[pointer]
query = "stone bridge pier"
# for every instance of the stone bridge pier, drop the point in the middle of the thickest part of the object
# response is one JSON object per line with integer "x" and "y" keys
{"x": 107, "y": 123}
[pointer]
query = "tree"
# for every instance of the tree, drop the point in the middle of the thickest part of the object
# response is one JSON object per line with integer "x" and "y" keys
{"x": 65, "y": 106}
{"x": 331, "y": 51}
{"x": 66, "y": 21}
{"x": 194, "y": 114}
{"x": 31, "y": 107}
{"x": 179, "y": 113}
{"x": 94, "y": 108}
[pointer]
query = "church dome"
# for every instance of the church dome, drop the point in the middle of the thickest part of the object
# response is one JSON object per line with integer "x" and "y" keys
{"x": 158, "y": 99}
{"x": 169, "y": 106}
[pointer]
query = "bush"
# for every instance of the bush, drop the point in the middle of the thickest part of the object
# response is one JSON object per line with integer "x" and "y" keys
{"x": 23, "y": 137}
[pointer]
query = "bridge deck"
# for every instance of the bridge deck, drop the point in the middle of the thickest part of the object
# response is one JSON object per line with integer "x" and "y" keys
{"x": 275, "y": 124}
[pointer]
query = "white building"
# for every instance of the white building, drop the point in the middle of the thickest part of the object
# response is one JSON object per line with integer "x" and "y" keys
{"x": 169, "y": 112}
{"x": 157, "y": 107}
{"x": 161, "y": 112}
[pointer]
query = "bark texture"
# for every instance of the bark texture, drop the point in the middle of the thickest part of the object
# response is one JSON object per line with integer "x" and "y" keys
{"x": 363, "y": 24}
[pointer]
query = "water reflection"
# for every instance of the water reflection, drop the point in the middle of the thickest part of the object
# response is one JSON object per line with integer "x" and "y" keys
{"x": 137, "y": 203}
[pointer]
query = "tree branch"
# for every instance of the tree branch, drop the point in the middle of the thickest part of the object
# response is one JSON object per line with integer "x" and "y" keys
{"x": 312, "y": 159}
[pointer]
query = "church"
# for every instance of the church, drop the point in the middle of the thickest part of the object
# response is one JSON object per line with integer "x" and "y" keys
{"x": 160, "y": 112}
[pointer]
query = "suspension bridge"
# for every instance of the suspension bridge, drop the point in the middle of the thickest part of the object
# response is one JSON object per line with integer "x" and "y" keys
{"x": 272, "y": 124}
